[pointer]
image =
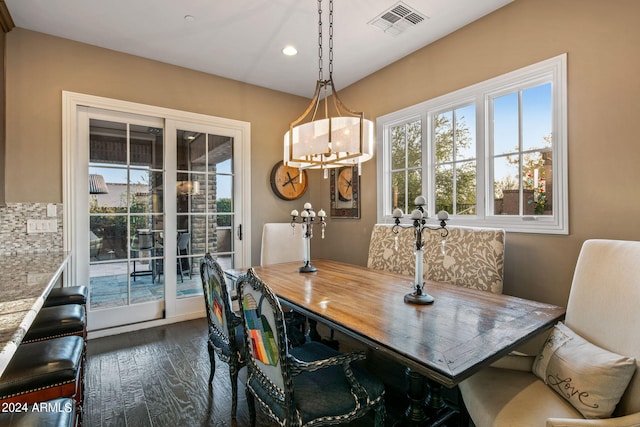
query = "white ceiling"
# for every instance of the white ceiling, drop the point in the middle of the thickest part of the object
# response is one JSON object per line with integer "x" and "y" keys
{"x": 243, "y": 39}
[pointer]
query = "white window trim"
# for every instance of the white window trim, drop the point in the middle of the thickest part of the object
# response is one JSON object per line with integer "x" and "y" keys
{"x": 553, "y": 70}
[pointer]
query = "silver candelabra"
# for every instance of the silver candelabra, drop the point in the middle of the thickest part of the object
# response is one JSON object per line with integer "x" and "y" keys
{"x": 419, "y": 217}
{"x": 307, "y": 218}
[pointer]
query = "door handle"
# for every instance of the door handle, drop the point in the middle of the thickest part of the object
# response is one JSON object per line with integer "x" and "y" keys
{"x": 239, "y": 232}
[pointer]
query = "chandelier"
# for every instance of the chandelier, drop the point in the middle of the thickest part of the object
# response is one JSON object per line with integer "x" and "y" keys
{"x": 328, "y": 134}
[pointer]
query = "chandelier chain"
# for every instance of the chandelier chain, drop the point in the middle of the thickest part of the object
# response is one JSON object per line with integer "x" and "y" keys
{"x": 340, "y": 136}
{"x": 331, "y": 39}
{"x": 320, "y": 40}
{"x": 320, "y": 51}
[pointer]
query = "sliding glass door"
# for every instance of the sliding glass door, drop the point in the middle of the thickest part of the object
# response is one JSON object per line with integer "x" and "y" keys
{"x": 204, "y": 216}
{"x": 126, "y": 218}
{"x": 146, "y": 197}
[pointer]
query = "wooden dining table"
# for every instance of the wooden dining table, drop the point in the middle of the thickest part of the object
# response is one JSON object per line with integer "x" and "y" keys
{"x": 463, "y": 331}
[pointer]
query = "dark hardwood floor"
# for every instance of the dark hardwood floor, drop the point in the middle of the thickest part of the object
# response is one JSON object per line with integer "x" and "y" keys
{"x": 159, "y": 377}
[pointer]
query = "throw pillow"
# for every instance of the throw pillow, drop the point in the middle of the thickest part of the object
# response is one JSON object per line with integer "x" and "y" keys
{"x": 589, "y": 377}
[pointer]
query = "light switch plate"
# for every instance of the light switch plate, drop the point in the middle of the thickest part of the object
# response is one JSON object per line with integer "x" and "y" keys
{"x": 35, "y": 226}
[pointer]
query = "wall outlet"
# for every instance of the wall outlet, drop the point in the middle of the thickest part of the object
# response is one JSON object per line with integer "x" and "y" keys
{"x": 52, "y": 210}
{"x": 35, "y": 226}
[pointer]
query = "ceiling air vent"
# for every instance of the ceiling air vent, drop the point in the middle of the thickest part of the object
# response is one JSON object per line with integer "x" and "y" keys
{"x": 398, "y": 19}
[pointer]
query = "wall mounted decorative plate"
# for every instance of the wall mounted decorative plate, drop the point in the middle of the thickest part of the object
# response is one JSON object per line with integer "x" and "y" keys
{"x": 345, "y": 192}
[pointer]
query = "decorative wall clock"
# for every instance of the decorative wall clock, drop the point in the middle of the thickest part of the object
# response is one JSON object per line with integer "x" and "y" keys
{"x": 288, "y": 183}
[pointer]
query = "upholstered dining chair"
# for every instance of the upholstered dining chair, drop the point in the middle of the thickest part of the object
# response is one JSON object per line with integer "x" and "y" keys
{"x": 225, "y": 326}
{"x": 585, "y": 374}
{"x": 471, "y": 257}
{"x": 311, "y": 384}
{"x": 281, "y": 244}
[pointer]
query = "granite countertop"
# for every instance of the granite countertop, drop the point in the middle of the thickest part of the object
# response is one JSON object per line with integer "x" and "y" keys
{"x": 25, "y": 282}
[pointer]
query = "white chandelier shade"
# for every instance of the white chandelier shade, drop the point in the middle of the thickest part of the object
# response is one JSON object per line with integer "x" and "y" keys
{"x": 328, "y": 134}
{"x": 330, "y": 142}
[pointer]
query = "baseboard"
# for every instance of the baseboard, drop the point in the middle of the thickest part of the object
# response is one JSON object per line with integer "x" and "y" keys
{"x": 142, "y": 325}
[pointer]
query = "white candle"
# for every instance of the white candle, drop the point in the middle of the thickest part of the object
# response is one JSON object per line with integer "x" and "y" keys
{"x": 304, "y": 214}
{"x": 443, "y": 215}
{"x": 420, "y": 200}
{"x": 416, "y": 214}
{"x": 307, "y": 205}
{"x": 322, "y": 213}
{"x": 294, "y": 212}
{"x": 397, "y": 213}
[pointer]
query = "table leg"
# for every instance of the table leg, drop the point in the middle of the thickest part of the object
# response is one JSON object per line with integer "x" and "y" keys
{"x": 313, "y": 330}
{"x": 438, "y": 409}
{"x": 415, "y": 413}
{"x": 426, "y": 405}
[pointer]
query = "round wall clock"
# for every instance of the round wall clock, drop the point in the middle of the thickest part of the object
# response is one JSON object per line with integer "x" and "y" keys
{"x": 286, "y": 182}
{"x": 345, "y": 187}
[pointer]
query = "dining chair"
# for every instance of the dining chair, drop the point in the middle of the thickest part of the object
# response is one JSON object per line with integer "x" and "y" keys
{"x": 311, "y": 384}
{"x": 225, "y": 327}
{"x": 585, "y": 374}
{"x": 472, "y": 257}
{"x": 281, "y": 244}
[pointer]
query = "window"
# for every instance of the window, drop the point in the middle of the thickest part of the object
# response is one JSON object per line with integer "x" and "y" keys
{"x": 492, "y": 154}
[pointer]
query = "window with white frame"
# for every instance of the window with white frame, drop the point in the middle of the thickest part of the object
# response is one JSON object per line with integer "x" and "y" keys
{"x": 492, "y": 154}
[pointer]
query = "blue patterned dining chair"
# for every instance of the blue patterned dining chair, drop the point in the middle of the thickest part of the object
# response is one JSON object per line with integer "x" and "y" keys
{"x": 310, "y": 384}
{"x": 225, "y": 326}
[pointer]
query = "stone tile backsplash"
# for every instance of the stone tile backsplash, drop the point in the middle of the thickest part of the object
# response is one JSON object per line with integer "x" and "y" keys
{"x": 13, "y": 229}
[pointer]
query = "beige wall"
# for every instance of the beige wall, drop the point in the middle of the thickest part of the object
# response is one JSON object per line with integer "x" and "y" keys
{"x": 40, "y": 67}
{"x": 600, "y": 37}
{"x": 602, "y": 42}
{"x": 3, "y": 38}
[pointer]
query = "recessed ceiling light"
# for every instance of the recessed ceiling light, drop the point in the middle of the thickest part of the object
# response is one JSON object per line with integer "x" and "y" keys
{"x": 290, "y": 50}
{"x": 189, "y": 18}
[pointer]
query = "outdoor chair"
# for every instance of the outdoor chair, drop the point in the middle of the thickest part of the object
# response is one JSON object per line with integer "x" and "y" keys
{"x": 183, "y": 249}
{"x": 311, "y": 384}
{"x": 225, "y": 327}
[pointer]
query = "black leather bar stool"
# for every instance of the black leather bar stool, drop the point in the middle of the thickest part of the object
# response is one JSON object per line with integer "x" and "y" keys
{"x": 52, "y": 413}
{"x": 63, "y": 313}
{"x": 57, "y": 321}
{"x": 45, "y": 370}
{"x": 60, "y": 321}
{"x": 67, "y": 295}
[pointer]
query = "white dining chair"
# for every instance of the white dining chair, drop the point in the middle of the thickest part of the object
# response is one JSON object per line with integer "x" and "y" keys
{"x": 281, "y": 244}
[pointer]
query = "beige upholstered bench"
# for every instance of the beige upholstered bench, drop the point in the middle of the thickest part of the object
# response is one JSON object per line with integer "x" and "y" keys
{"x": 470, "y": 257}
